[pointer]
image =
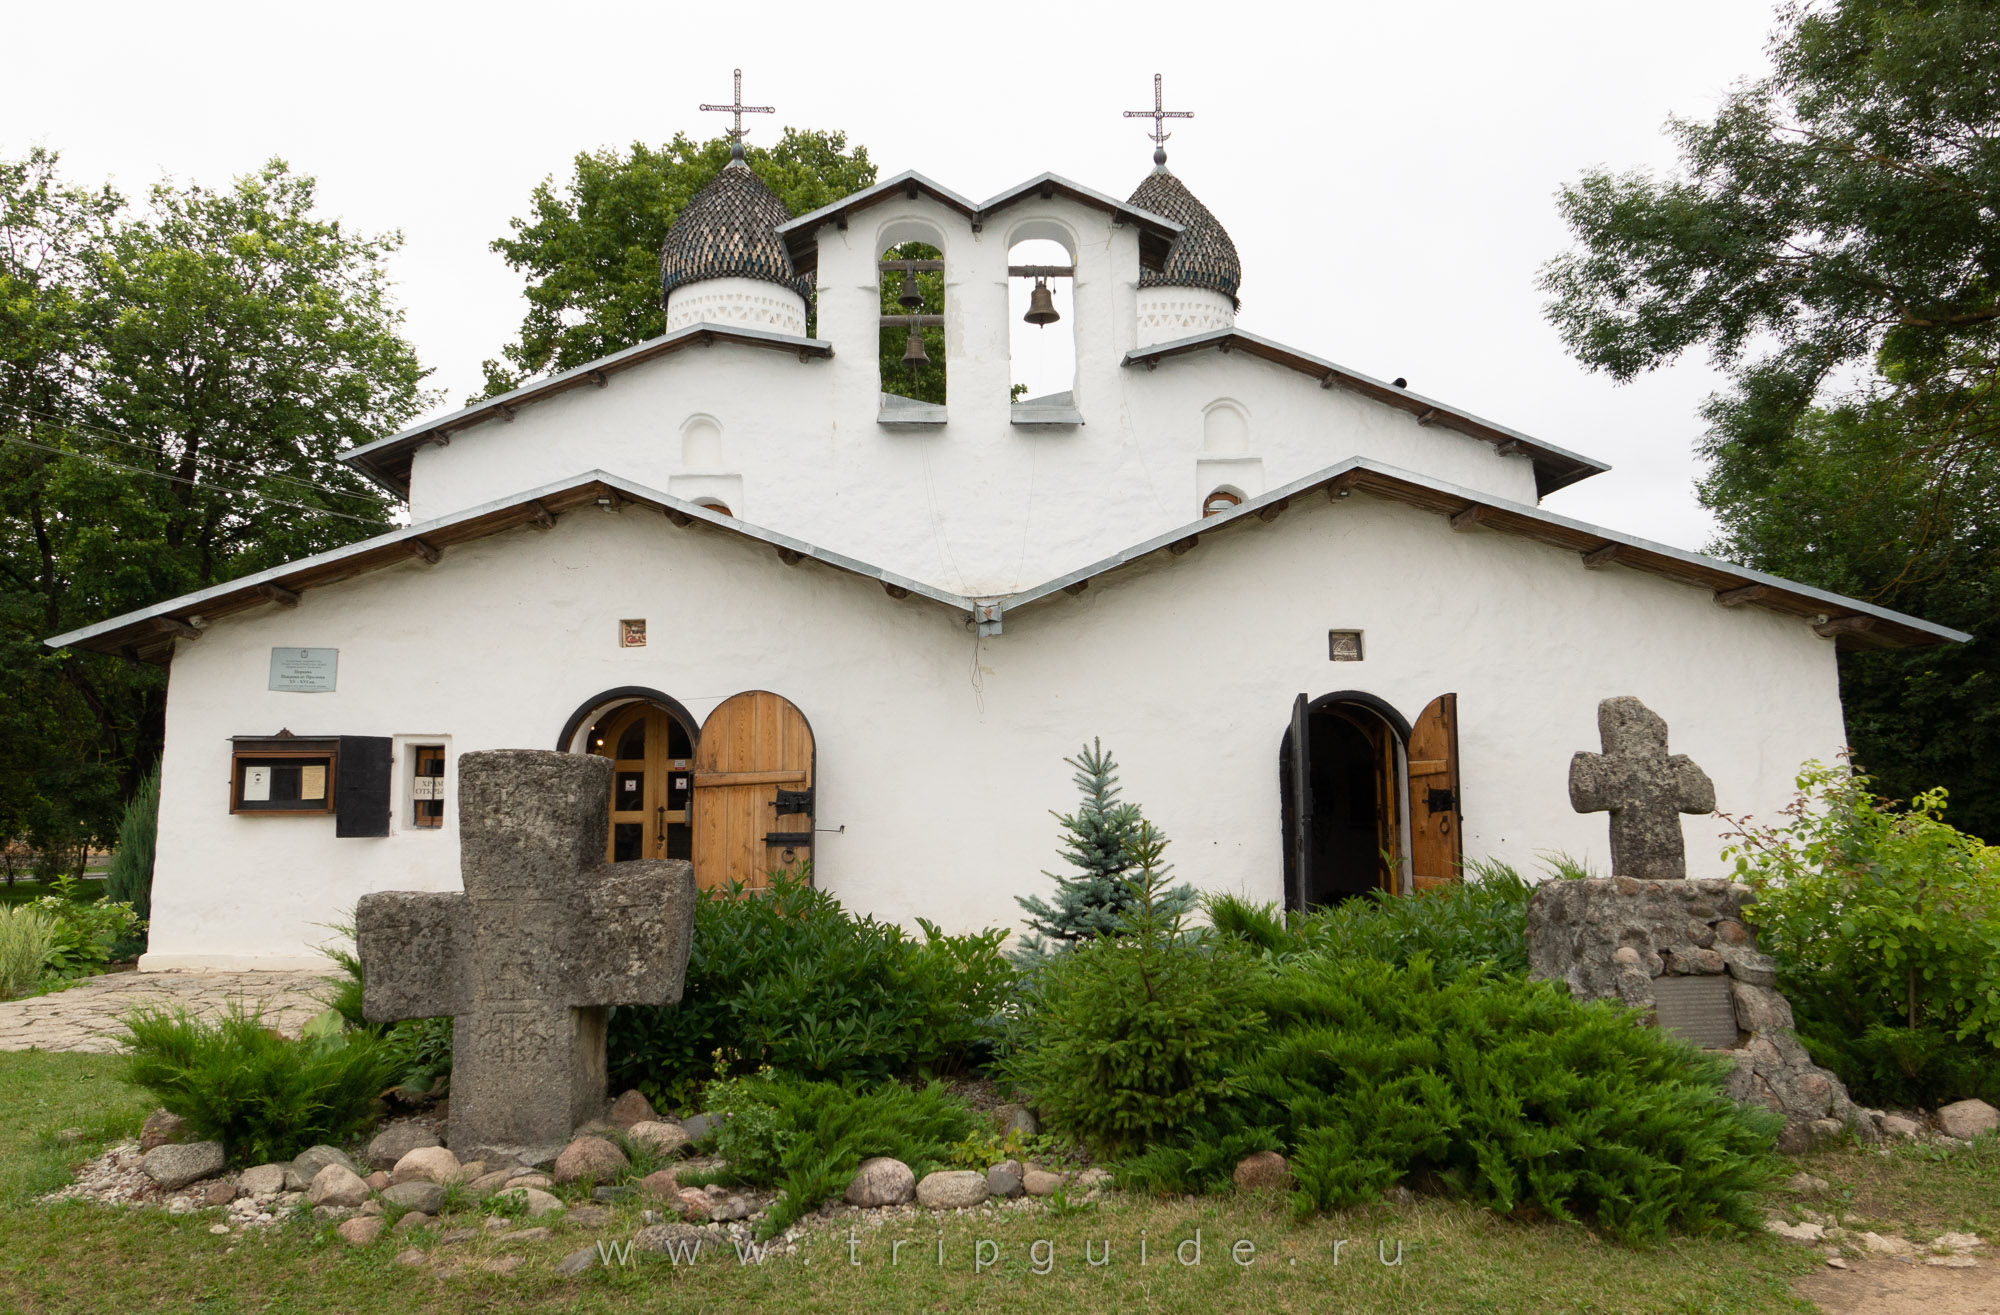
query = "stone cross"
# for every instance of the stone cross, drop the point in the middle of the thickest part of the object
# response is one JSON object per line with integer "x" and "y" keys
{"x": 1643, "y": 788}
{"x": 545, "y": 936}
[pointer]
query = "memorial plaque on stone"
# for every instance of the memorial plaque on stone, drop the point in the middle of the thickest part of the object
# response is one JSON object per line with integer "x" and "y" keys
{"x": 1699, "y": 1009}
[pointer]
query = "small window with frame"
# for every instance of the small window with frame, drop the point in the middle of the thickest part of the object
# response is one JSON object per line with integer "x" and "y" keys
{"x": 427, "y": 792}
{"x": 294, "y": 780}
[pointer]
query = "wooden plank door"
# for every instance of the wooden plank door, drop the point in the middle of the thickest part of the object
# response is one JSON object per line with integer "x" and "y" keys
{"x": 755, "y": 756}
{"x": 1302, "y": 801}
{"x": 1437, "y": 847}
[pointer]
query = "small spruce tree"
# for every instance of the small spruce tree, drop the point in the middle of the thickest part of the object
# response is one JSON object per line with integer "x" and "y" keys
{"x": 130, "y": 879}
{"x": 1098, "y": 842}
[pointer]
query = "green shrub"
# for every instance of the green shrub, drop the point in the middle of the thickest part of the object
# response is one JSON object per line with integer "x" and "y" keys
{"x": 86, "y": 930}
{"x": 1885, "y": 927}
{"x": 788, "y": 979}
{"x": 1128, "y": 1038}
{"x": 27, "y": 939}
{"x": 807, "y": 1138}
{"x": 1486, "y": 1085}
{"x": 263, "y": 1096}
{"x": 1475, "y": 924}
{"x": 129, "y": 880}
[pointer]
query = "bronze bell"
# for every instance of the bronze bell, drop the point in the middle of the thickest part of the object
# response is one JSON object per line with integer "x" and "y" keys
{"x": 911, "y": 296}
{"x": 914, "y": 356}
{"x": 1041, "y": 305}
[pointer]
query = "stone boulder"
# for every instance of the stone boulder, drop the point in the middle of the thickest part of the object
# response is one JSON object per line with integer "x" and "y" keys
{"x": 429, "y": 1164}
{"x": 360, "y": 1232}
{"x": 159, "y": 1129}
{"x": 220, "y": 1191}
{"x": 1016, "y": 1120}
{"x": 630, "y": 1108}
{"x": 1040, "y": 1182}
{"x": 1004, "y": 1179}
{"x": 682, "y": 1242}
{"x": 310, "y": 1162}
{"x": 537, "y": 1201}
{"x": 881, "y": 1181}
{"x": 693, "y": 1203}
{"x": 1967, "y": 1119}
{"x": 264, "y": 1180}
{"x": 658, "y": 1136}
{"x": 488, "y": 1183}
{"x": 415, "y": 1194}
{"x": 1262, "y": 1171}
{"x": 663, "y": 1183}
{"x": 173, "y": 1165}
{"x": 1895, "y": 1125}
{"x": 952, "y": 1189}
{"x": 391, "y": 1144}
{"x": 590, "y": 1157}
{"x": 338, "y": 1186}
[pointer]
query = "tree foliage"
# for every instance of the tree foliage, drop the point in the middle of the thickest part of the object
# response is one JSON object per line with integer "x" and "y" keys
{"x": 174, "y": 383}
{"x": 591, "y": 251}
{"x": 1833, "y": 241}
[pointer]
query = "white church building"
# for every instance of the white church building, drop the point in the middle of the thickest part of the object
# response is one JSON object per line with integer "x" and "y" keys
{"x": 1323, "y": 622}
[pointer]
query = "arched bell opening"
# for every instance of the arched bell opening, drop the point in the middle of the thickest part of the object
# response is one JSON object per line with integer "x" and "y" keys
{"x": 1041, "y": 316}
{"x": 650, "y": 739}
{"x": 912, "y": 273}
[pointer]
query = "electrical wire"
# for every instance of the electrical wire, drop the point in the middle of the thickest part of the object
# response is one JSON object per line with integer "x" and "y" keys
{"x": 181, "y": 479}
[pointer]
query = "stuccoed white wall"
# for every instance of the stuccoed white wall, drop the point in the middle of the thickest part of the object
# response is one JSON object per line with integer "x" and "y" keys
{"x": 977, "y": 505}
{"x": 1165, "y": 314}
{"x": 748, "y": 303}
{"x": 942, "y": 754}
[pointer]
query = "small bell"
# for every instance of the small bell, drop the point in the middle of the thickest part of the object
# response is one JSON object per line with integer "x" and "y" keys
{"x": 1041, "y": 305}
{"x": 914, "y": 356}
{"x": 911, "y": 296}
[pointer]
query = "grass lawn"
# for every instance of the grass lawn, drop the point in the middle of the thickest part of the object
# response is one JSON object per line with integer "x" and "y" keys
{"x": 24, "y": 890}
{"x": 76, "y": 1257}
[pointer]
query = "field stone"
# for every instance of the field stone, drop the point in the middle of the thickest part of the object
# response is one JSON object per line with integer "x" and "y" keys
{"x": 219, "y": 1191}
{"x": 488, "y": 1183}
{"x": 631, "y": 1107}
{"x": 952, "y": 1189}
{"x": 881, "y": 1180}
{"x": 663, "y": 1183}
{"x": 529, "y": 1178}
{"x": 1016, "y": 1119}
{"x": 590, "y": 1157}
{"x": 337, "y": 1185}
{"x": 588, "y": 1216}
{"x": 732, "y": 1208}
{"x": 452, "y": 1237}
{"x": 173, "y": 1165}
{"x": 414, "y": 1220}
{"x": 538, "y": 1202}
{"x": 1040, "y": 1182}
{"x": 1967, "y": 1119}
{"x": 378, "y": 1180}
{"x": 526, "y": 1235}
{"x": 310, "y": 1162}
{"x": 395, "y": 1141}
{"x": 698, "y": 1126}
{"x": 682, "y": 1240}
{"x": 264, "y": 1180}
{"x": 1262, "y": 1171}
{"x": 1004, "y": 1179}
{"x": 160, "y": 1129}
{"x": 1895, "y": 1125}
{"x": 360, "y": 1232}
{"x": 415, "y": 1194}
{"x": 372, "y": 1206}
{"x": 576, "y": 1262}
{"x": 328, "y": 1214}
{"x": 659, "y": 1136}
{"x": 1797, "y": 1232}
{"x": 430, "y": 1164}
{"x": 693, "y": 1203}
{"x": 410, "y": 1256}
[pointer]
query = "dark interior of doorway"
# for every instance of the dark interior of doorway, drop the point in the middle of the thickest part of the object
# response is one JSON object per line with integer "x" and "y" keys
{"x": 1352, "y": 834}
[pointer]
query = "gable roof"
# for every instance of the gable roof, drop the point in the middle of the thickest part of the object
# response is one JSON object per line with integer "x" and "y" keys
{"x": 387, "y": 460}
{"x": 801, "y": 235}
{"x": 1555, "y": 467}
{"x": 149, "y": 633}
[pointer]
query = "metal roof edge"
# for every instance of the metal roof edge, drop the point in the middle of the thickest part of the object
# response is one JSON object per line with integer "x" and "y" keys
{"x": 868, "y": 196}
{"x": 1000, "y": 200}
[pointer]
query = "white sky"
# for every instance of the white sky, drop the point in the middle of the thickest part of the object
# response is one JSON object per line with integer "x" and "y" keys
{"x": 1387, "y": 171}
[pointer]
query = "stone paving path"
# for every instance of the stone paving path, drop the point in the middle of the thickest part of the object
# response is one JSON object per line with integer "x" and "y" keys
{"x": 85, "y": 1017}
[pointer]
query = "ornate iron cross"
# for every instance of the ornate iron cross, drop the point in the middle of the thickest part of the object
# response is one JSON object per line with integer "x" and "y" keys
{"x": 1158, "y": 115}
{"x": 739, "y": 109}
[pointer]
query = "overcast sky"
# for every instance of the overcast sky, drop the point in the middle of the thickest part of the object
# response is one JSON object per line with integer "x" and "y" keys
{"x": 1387, "y": 171}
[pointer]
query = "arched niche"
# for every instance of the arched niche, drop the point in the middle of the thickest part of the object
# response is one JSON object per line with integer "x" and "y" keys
{"x": 1042, "y": 358}
{"x": 1225, "y": 429}
{"x": 910, "y": 238}
{"x": 701, "y": 443}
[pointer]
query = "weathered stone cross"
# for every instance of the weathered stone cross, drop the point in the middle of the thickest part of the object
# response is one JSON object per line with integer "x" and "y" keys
{"x": 1644, "y": 789}
{"x": 545, "y": 936}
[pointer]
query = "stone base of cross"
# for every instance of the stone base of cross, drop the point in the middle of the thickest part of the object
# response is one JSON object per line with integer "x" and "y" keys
{"x": 1643, "y": 788}
{"x": 527, "y": 961}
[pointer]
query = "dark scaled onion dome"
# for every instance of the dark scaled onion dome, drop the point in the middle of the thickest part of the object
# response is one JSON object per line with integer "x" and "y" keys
{"x": 729, "y": 230}
{"x": 1202, "y": 256}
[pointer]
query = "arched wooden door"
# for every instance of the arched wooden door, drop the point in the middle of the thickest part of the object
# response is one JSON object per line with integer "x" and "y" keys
{"x": 652, "y": 760}
{"x": 753, "y": 791}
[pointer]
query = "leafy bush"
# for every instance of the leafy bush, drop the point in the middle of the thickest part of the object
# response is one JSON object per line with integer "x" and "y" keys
{"x": 129, "y": 880}
{"x": 1485, "y": 1084}
{"x": 27, "y": 938}
{"x": 1885, "y": 926}
{"x": 807, "y": 1138}
{"x": 1128, "y": 1038}
{"x": 419, "y": 1049}
{"x": 85, "y": 930}
{"x": 789, "y": 979}
{"x": 263, "y": 1096}
{"x": 1467, "y": 925}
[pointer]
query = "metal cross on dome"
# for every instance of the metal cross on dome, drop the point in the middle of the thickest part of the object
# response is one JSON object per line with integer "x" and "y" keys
{"x": 739, "y": 109}
{"x": 1159, "y": 116}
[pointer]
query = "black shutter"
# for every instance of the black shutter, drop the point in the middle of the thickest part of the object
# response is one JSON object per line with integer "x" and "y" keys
{"x": 361, "y": 792}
